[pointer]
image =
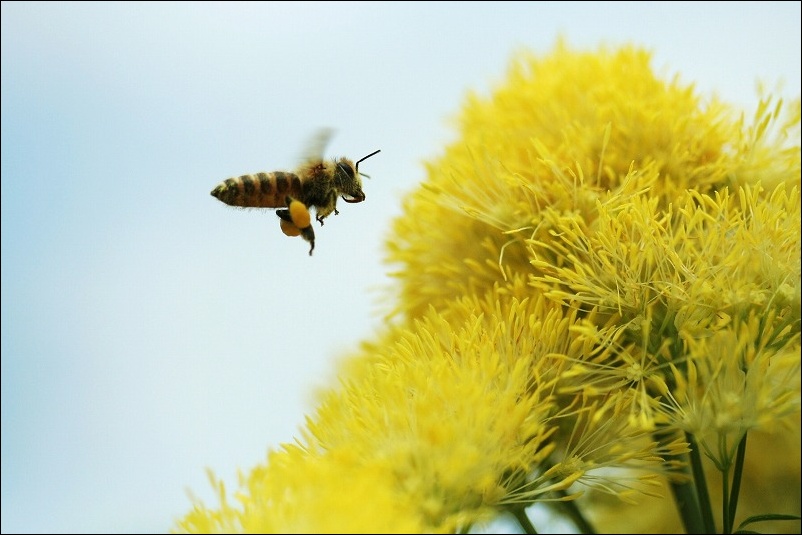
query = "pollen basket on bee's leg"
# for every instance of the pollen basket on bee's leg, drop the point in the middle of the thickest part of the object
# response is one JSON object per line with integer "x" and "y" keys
{"x": 299, "y": 213}
{"x": 289, "y": 229}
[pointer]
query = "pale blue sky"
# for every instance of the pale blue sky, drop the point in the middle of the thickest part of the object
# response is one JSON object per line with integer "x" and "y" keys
{"x": 148, "y": 330}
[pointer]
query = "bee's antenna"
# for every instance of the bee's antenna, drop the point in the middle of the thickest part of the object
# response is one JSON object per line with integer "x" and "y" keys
{"x": 363, "y": 159}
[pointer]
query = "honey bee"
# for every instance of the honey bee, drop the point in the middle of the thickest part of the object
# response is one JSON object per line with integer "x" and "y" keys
{"x": 316, "y": 183}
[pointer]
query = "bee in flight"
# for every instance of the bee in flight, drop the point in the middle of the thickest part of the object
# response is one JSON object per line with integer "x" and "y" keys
{"x": 316, "y": 183}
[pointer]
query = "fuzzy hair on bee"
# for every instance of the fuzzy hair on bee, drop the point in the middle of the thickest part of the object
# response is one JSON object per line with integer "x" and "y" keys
{"x": 316, "y": 183}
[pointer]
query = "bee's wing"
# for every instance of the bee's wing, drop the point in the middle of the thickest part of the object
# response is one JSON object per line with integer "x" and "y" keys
{"x": 316, "y": 146}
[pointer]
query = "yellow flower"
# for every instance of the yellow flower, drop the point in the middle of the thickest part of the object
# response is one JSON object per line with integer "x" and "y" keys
{"x": 297, "y": 492}
{"x": 767, "y": 149}
{"x": 601, "y": 448}
{"x": 454, "y": 408}
{"x": 740, "y": 378}
{"x": 603, "y": 261}
{"x": 437, "y": 421}
{"x": 666, "y": 220}
{"x": 561, "y": 134}
{"x": 663, "y": 278}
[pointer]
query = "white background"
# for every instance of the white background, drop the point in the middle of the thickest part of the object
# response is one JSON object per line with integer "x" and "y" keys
{"x": 148, "y": 330}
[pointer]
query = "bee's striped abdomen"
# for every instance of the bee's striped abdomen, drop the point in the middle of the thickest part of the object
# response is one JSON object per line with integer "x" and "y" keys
{"x": 262, "y": 190}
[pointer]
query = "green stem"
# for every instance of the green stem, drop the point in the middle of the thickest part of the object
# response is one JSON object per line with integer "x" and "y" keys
{"x": 740, "y": 457}
{"x": 726, "y": 528}
{"x": 685, "y": 499}
{"x": 700, "y": 483}
{"x": 684, "y": 493}
{"x": 729, "y": 502}
{"x": 523, "y": 520}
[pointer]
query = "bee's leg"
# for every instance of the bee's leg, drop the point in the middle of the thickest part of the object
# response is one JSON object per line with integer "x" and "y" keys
{"x": 334, "y": 203}
{"x": 308, "y": 234}
{"x": 325, "y": 209}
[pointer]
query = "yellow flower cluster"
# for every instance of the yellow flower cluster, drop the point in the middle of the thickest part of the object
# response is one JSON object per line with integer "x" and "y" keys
{"x": 598, "y": 288}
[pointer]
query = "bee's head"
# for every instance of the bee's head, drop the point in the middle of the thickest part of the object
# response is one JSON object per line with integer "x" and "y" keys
{"x": 348, "y": 181}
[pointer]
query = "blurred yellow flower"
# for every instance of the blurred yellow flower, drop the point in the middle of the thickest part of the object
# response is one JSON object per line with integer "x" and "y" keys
{"x": 561, "y": 134}
{"x": 454, "y": 408}
{"x": 296, "y": 492}
{"x": 598, "y": 282}
{"x": 738, "y": 379}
